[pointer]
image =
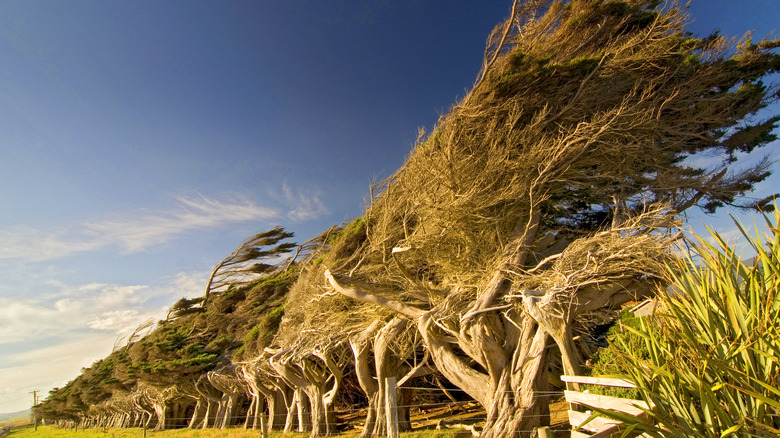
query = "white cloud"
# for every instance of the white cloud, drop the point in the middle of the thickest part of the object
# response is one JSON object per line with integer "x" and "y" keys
{"x": 30, "y": 244}
{"x": 90, "y": 317}
{"x": 131, "y": 232}
{"x": 48, "y": 367}
{"x": 117, "y": 309}
{"x": 116, "y": 320}
{"x": 70, "y": 310}
{"x": 139, "y": 233}
{"x": 187, "y": 284}
{"x": 304, "y": 205}
{"x": 55, "y": 334}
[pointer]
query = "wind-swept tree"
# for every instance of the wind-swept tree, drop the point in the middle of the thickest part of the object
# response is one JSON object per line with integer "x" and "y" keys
{"x": 249, "y": 259}
{"x": 543, "y": 201}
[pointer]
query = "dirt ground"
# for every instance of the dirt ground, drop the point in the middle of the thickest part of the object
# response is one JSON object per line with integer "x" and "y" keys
{"x": 464, "y": 415}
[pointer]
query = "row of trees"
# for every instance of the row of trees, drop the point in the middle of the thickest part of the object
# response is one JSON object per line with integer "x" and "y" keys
{"x": 545, "y": 200}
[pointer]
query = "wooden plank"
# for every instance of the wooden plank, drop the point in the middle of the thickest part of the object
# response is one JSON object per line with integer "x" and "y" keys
{"x": 603, "y": 381}
{"x": 609, "y": 432}
{"x": 576, "y": 419}
{"x": 615, "y": 431}
{"x": 575, "y": 434}
{"x": 626, "y": 405}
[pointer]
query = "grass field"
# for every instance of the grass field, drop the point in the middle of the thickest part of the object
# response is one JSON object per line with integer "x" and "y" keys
{"x": 56, "y": 432}
{"x": 17, "y": 420}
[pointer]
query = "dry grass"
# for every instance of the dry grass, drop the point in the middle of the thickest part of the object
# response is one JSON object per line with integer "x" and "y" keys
{"x": 20, "y": 421}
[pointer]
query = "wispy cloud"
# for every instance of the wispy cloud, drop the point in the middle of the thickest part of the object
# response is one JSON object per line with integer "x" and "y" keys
{"x": 186, "y": 284}
{"x": 136, "y": 234}
{"x": 27, "y": 243}
{"x": 132, "y": 232}
{"x": 303, "y": 204}
{"x": 117, "y": 320}
{"x": 71, "y": 310}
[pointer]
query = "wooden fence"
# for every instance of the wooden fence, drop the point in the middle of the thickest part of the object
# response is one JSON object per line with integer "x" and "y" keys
{"x": 581, "y": 404}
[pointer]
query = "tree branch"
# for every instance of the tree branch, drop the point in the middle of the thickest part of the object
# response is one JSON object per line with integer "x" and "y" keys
{"x": 396, "y": 306}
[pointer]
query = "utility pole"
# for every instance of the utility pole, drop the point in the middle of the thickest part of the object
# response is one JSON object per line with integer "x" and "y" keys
{"x": 35, "y": 403}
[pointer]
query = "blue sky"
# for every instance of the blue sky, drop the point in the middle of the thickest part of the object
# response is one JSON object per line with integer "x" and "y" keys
{"x": 141, "y": 141}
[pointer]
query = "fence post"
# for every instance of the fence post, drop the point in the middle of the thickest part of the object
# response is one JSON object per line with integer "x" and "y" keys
{"x": 544, "y": 432}
{"x": 391, "y": 404}
{"x": 263, "y": 423}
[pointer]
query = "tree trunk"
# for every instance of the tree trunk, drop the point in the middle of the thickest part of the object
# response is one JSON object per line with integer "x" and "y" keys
{"x": 200, "y": 413}
{"x": 231, "y": 402}
{"x": 210, "y": 418}
{"x": 387, "y": 365}
{"x": 366, "y": 381}
{"x": 277, "y": 410}
{"x": 311, "y": 375}
{"x": 213, "y": 397}
{"x": 519, "y": 404}
{"x": 303, "y": 409}
{"x": 159, "y": 411}
{"x": 510, "y": 349}
{"x": 227, "y": 382}
{"x": 291, "y": 401}
{"x": 321, "y": 421}
{"x": 272, "y": 402}
{"x": 149, "y": 418}
{"x": 252, "y": 412}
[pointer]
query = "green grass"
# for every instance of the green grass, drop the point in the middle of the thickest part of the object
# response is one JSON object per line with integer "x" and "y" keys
{"x": 606, "y": 361}
{"x": 56, "y": 432}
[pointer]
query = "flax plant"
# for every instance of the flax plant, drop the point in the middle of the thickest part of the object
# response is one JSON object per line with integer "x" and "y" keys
{"x": 714, "y": 346}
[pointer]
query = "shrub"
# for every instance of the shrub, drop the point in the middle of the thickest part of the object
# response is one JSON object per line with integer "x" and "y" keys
{"x": 713, "y": 368}
{"x": 607, "y": 361}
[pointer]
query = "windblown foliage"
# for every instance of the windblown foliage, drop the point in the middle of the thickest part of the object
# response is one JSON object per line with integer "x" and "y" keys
{"x": 541, "y": 202}
{"x": 245, "y": 264}
{"x": 710, "y": 359}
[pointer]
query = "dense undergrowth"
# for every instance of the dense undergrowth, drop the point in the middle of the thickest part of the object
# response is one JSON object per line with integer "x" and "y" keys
{"x": 708, "y": 359}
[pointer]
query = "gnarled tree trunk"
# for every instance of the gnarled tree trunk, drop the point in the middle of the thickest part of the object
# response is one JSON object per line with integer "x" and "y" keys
{"x": 226, "y": 381}
{"x": 213, "y": 398}
{"x": 318, "y": 376}
{"x": 386, "y": 364}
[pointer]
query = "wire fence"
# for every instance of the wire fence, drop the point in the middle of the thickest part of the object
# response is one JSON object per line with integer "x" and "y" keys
{"x": 247, "y": 419}
{"x": 455, "y": 405}
{"x": 251, "y": 418}
{"x": 554, "y": 432}
{"x": 340, "y": 412}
